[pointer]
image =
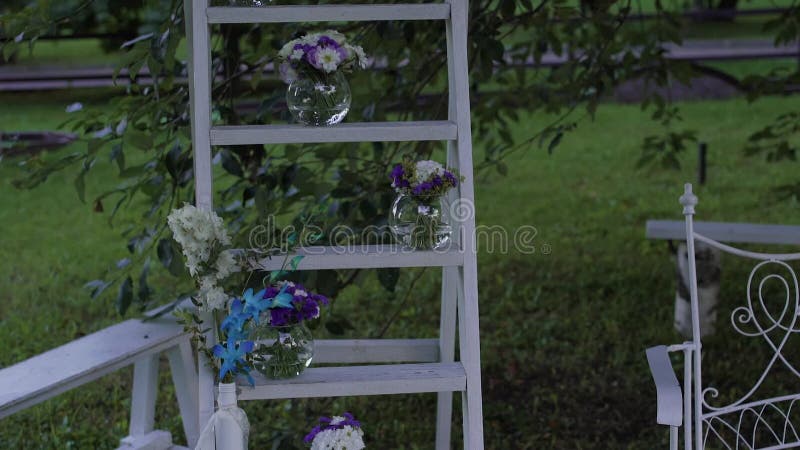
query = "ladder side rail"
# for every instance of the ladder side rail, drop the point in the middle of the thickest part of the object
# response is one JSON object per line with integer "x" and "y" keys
{"x": 447, "y": 320}
{"x": 447, "y": 347}
{"x": 198, "y": 37}
{"x": 469, "y": 339}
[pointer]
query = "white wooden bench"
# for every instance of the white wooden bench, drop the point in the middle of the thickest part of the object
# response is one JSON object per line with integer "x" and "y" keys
{"x": 79, "y": 362}
{"x": 708, "y": 261}
{"x": 751, "y": 233}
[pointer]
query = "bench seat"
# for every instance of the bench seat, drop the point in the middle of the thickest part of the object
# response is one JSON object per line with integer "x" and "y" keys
{"x": 63, "y": 368}
{"x": 726, "y": 232}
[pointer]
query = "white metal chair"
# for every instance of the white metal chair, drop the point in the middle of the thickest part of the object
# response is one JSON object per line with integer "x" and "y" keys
{"x": 747, "y": 419}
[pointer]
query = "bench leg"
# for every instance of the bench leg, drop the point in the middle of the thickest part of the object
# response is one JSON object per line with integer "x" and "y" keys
{"x": 184, "y": 377}
{"x": 145, "y": 388}
{"x": 143, "y": 409}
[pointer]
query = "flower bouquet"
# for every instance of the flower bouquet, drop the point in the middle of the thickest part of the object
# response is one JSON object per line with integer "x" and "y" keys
{"x": 419, "y": 216}
{"x": 336, "y": 433}
{"x": 313, "y": 65}
{"x": 284, "y": 345}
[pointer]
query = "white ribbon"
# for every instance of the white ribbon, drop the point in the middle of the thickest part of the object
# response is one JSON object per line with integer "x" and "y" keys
{"x": 228, "y": 428}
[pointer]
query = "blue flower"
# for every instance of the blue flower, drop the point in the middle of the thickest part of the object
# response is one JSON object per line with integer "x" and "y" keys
{"x": 233, "y": 325}
{"x": 255, "y": 303}
{"x": 231, "y": 356}
{"x": 283, "y": 299}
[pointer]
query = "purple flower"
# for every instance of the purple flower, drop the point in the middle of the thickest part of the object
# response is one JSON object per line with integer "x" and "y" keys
{"x": 271, "y": 292}
{"x": 326, "y": 423}
{"x": 282, "y": 316}
{"x": 311, "y": 57}
{"x": 423, "y": 188}
{"x": 309, "y": 310}
{"x": 320, "y": 299}
{"x": 451, "y": 178}
{"x": 325, "y": 41}
{"x": 397, "y": 174}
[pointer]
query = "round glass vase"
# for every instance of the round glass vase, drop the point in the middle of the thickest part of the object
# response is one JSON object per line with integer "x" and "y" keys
{"x": 421, "y": 222}
{"x": 319, "y": 99}
{"x": 282, "y": 351}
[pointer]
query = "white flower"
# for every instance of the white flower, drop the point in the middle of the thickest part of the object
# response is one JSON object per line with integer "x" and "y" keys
{"x": 287, "y": 49}
{"x": 346, "y": 438}
{"x": 361, "y": 57}
{"x": 426, "y": 169}
{"x": 333, "y": 34}
{"x": 301, "y": 293}
{"x": 310, "y": 39}
{"x": 215, "y": 299}
{"x": 211, "y": 296}
{"x": 226, "y": 264}
{"x": 297, "y": 54}
{"x": 328, "y": 59}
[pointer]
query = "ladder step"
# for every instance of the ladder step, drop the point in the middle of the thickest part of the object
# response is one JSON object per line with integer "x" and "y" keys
{"x": 440, "y": 130}
{"x": 373, "y": 351}
{"x": 362, "y": 257}
{"x": 328, "y": 13}
{"x": 360, "y": 380}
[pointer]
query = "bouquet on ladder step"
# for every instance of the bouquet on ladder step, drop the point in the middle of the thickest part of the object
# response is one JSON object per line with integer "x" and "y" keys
{"x": 336, "y": 433}
{"x": 313, "y": 66}
{"x": 420, "y": 218}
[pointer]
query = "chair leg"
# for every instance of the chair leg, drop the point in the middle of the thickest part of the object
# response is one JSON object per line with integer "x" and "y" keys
{"x": 184, "y": 378}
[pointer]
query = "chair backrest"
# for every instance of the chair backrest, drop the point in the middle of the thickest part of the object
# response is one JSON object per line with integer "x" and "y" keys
{"x": 748, "y": 421}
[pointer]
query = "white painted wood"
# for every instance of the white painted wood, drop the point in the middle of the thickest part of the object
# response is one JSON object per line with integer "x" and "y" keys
{"x": 450, "y": 280}
{"x": 361, "y": 351}
{"x": 359, "y": 380}
{"x": 726, "y": 232}
{"x": 447, "y": 348}
{"x": 199, "y": 39}
{"x": 469, "y": 332}
{"x": 154, "y": 440}
{"x": 184, "y": 378}
{"x": 345, "y": 132}
{"x": 74, "y": 364}
{"x": 668, "y": 392}
{"x": 143, "y": 399}
{"x": 328, "y": 13}
{"x": 363, "y": 257}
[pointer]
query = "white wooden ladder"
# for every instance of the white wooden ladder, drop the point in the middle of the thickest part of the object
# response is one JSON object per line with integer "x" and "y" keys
{"x": 435, "y": 368}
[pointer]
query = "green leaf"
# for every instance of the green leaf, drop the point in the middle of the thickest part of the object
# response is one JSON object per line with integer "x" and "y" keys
{"x": 554, "y": 142}
{"x": 144, "y": 292}
{"x": 295, "y": 261}
{"x": 125, "y": 296}
{"x": 138, "y": 139}
{"x": 80, "y": 186}
{"x": 118, "y": 155}
{"x": 231, "y": 164}
{"x": 170, "y": 256}
{"x": 388, "y": 277}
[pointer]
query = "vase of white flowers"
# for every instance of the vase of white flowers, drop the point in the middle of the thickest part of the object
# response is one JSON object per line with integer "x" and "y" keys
{"x": 419, "y": 217}
{"x": 337, "y": 432}
{"x": 314, "y": 66}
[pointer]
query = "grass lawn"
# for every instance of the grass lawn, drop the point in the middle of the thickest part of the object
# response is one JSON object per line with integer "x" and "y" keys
{"x": 563, "y": 334}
